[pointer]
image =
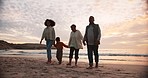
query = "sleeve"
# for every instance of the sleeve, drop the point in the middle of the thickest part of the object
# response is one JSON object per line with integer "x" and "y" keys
{"x": 80, "y": 35}
{"x": 53, "y": 34}
{"x": 69, "y": 40}
{"x": 43, "y": 35}
{"x": 84, "y": 39}
{"x": 99, "y": 33}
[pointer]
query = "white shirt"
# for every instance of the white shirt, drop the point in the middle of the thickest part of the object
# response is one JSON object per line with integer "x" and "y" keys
{"x": 49, "y": 33}
{"x": 90, "y": 36}
{"x": 76, "y": 40}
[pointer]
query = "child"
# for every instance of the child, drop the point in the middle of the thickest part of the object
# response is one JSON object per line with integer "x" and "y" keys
{"x": 59, "y": 46}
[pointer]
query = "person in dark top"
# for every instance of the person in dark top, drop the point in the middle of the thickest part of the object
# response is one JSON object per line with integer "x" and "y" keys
{"x": 92, "y": 38}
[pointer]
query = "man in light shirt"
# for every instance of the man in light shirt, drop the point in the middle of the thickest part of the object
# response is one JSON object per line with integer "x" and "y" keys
{"x": 92, "y": 38}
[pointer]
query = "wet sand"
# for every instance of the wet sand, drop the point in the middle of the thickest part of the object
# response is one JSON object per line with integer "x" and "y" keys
{"x": 27, "y": 67}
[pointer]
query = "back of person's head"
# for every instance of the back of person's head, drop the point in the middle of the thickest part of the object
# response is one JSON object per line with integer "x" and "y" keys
{"x": 57, "y": 38}
{"x": 49, "y": 22}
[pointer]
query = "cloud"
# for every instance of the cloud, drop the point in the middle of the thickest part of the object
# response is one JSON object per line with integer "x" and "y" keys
{"x": 123, "y": 23}
{"x": 130, "y": 34}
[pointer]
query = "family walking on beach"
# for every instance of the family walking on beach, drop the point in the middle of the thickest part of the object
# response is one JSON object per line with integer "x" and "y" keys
{"x": 91, "y": 39}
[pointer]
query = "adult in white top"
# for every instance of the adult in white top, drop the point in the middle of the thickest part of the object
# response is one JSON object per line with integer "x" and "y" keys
{"x": 75, "y": 43}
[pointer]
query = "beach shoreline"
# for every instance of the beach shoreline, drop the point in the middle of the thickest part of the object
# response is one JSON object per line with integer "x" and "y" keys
{"x": 20, "y": 67}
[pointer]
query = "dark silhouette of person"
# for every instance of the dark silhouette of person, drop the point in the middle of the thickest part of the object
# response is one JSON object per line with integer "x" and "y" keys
{"x": 75, "y": 43}
{"x": 92, "y": 38}
{"x": 59, "y": 46}
{"x": 49, "y": 36}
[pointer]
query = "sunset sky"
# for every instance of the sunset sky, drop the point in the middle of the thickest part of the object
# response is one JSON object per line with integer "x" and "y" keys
{"x": 123, "y": 23}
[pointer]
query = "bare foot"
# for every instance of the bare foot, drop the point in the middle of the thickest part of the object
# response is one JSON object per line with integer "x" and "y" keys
{"x": 90, "y": 67}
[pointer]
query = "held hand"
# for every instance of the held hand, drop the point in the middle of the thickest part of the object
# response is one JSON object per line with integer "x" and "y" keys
{"x": 40, "y": 41}
{"x": 68, "y": 47}
{"x": 98, "y": 42}
{"x": 84, "y": 43}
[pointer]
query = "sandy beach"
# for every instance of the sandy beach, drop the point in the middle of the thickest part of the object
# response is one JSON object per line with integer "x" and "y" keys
{"x": 27, "y": 67}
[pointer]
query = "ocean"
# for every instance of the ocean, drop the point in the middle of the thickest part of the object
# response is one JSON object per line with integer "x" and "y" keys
{"x": 106, "y": 56}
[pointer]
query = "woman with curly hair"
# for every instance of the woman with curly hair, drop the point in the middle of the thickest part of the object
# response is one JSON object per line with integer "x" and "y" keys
{"x": 49, "y": 36}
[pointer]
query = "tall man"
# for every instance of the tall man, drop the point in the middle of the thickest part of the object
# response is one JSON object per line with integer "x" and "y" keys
{"x": 92, "y": 38}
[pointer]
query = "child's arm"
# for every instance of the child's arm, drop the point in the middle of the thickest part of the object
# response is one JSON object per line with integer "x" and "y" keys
{"x": 55, "y": 45}
{"x": 65, "y": 45}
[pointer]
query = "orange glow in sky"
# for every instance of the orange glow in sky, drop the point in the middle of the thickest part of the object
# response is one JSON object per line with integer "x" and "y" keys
{"x": 123, "y": 22}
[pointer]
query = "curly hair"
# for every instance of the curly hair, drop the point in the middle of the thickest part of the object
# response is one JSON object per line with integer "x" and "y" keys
{"x": 52, "y": 23}
{"x": 73, "y": 25}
